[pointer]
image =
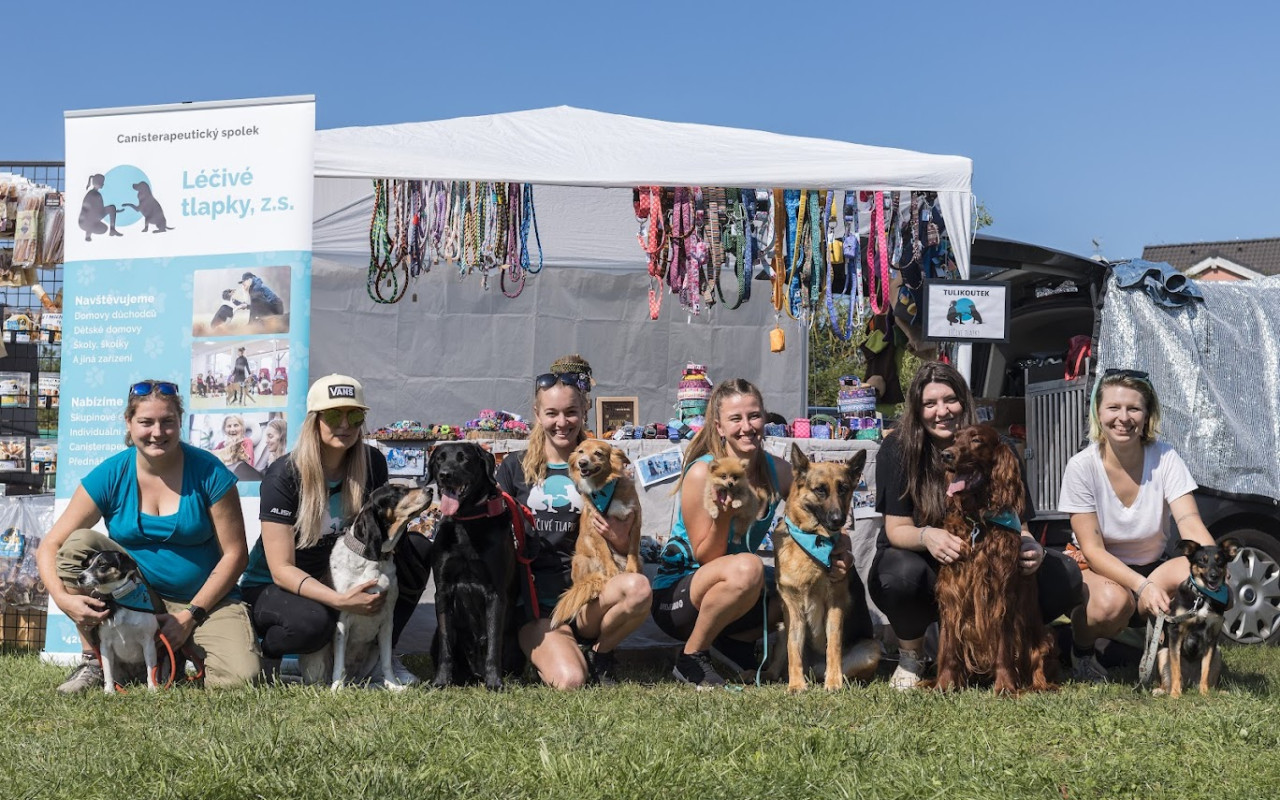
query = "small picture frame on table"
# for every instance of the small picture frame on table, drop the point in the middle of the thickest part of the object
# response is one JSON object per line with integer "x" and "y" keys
{"x": 614, "y": 412}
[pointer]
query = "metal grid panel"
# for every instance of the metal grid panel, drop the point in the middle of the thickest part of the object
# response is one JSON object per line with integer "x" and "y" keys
{"x": 1057, "y": 419}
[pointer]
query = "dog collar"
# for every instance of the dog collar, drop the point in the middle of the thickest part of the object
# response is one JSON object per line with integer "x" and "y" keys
{"x": 603, "y": 498}
{"x": 134, "y": 595}
{"x": 815, "y": 545}
{"x": 1220, "y": 595}
{"x": 489, "y": 508}
{"x": 1005, "y": 519}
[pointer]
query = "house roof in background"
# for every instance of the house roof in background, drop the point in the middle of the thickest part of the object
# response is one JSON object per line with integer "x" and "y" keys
{"x": 1260, "y": 255}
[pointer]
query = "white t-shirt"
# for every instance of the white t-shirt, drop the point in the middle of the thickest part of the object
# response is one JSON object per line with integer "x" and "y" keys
{"x": 1136, "y": 535}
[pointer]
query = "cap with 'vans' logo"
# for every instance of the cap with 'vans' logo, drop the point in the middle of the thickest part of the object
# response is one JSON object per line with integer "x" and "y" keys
{"x": 335, "y": 391}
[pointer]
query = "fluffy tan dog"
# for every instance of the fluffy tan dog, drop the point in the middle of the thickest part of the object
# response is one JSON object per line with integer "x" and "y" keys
{"x": 600, "y": 473}
{"x": 729, "y": 492}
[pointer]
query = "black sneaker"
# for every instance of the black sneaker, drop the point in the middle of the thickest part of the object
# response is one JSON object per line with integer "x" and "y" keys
{"x": 736, "y": 655}
{"x": 696, "y": 669}
{"x": 603, "y": 667}
{"x": 85, "y": 677}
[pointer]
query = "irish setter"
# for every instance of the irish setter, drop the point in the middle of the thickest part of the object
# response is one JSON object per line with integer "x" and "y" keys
{"x": 989, "y": 612}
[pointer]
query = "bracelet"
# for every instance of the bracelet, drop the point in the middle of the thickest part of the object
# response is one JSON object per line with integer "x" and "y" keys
{"x": 1142, "y": 587}
{"x": 299, "y": 589}
{"x": 923, "y": 546}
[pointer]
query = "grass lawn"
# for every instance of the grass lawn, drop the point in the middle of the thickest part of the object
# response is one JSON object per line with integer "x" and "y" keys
{"x": 645, "y": 739}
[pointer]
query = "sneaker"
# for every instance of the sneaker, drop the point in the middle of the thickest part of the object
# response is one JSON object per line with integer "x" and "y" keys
{"x": 735, "y": 654}
{"x": 402, "y": 672}
{"x": 603, "y": 667}
{"x": 697, "y": 669}
{"x": 1086, "y": 669}
{"x": 86, "y": 676}
{"x": 909, "y": 672}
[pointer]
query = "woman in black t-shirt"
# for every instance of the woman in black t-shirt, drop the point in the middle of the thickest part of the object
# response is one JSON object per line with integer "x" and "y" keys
{"x": 308, "y": 499}
{"x": 570, "y": 655}
{"x": 911, "y": 494}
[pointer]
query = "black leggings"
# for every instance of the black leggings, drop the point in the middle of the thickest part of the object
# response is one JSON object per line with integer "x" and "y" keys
{"x": 901, "y": 585}
{"x": 289, "y": 624}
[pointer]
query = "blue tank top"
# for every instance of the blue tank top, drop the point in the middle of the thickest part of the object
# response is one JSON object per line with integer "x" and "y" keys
{"x": 677, "y": 556}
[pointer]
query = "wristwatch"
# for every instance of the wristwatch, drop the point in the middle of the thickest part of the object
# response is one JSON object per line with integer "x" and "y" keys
{"x": 198, "y": 614}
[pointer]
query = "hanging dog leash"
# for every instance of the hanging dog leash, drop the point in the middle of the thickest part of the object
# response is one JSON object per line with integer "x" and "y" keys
{"x": 521, "y": 518}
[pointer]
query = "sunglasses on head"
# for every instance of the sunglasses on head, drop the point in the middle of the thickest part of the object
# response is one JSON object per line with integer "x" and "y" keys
{"x": 333, "y": 417}
{"x": 581, "y": 380}
{"x": 144, "y": 388}
{"x": 1136, "y": 374}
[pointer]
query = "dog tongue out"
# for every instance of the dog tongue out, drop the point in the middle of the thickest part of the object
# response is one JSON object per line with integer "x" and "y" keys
{"x": 448, "y": 503}
{"x": 956, "y": 486}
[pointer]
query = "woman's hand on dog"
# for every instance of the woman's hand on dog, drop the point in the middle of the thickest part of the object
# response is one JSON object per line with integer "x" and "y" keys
{"x": 175, "y": 630}
{"x": 83, "y": 610}
{"x": 841, "y": 558}
{"x": 1153, "y": 600}
{"x": 616, "y": 531}
{"x": 943, "y": 546}
{"x": 359, "y": 600}
{"x": 1030, "y": 555}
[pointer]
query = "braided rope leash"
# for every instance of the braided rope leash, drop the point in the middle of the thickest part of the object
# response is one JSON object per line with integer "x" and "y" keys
{"x": 1155, "y": 630}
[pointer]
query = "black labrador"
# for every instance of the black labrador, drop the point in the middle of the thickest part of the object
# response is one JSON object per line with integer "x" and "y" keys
{"x": 473, "y": 562}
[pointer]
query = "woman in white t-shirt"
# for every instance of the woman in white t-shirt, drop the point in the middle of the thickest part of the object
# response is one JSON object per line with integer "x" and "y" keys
{"x": 1121, "y": 492}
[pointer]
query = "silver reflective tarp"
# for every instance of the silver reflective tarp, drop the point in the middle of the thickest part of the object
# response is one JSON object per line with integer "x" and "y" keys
{"x": 1216, "y": 369}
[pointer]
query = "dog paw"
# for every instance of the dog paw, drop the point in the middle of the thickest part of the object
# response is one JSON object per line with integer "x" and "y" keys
{"x": 736, "y": 504}
{"x": 336, "y": 686}
{"x": 394, "y": 686}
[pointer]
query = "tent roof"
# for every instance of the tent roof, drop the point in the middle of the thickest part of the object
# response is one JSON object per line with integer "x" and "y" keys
{"x": 577, "y": 147}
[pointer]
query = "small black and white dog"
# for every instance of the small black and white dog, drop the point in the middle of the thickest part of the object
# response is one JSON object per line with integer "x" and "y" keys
{"x": 127, "y": 638}
{"x": 473, "y": 563}
{"x": 361, "y": 646}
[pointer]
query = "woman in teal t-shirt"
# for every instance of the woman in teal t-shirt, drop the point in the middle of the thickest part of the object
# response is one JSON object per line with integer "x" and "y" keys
{"x": 175, "y": 510}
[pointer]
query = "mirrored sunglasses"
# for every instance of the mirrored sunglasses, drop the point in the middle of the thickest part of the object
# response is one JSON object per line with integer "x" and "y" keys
{"x": 333, "y": 417}
{"x": 144, "y": 388}
{"x": 1136, "y": 374}
{"x": 581, "y": 380}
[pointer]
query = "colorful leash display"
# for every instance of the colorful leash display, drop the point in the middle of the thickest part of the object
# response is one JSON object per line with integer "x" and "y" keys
{"x": 479, "y": 226}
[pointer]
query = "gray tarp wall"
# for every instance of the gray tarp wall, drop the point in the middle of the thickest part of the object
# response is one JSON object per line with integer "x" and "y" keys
{"x": 1216, "y": 370}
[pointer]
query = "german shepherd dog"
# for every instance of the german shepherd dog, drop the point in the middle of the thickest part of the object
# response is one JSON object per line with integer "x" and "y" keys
{"x": 473, "y": 563}
{"x": 599, "y": 471}
{"x": 1197, "y": 610}
{"x": 814, "y": 605}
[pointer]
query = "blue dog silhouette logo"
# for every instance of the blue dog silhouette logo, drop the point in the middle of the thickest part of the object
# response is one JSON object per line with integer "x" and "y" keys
{"x": 962, "y": 311}
{"x": 119, "y": 198}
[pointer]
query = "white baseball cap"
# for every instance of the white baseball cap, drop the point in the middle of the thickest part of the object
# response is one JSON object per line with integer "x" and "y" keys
{"x": 335, "y": 391}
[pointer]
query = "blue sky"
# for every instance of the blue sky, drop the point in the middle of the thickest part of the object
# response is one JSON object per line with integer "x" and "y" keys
{"x": 1128, "y": 122}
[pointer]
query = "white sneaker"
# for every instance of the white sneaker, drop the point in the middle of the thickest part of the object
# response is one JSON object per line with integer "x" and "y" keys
{"x": 1088, "y": 670}
{"x": 909, "y": 672}
{"x": 402, "y": 672}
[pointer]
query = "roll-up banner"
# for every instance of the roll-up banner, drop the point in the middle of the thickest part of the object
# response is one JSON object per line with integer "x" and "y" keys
{"x": 188, "y": 260}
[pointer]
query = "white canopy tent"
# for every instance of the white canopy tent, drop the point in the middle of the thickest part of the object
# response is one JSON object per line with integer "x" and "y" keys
{"x": 455, "y": 349}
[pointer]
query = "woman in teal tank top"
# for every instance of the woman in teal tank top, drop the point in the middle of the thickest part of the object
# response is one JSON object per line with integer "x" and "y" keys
{"x": 709, "y": 591}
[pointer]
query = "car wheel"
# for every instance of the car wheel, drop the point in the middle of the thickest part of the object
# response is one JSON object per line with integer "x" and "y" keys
{"x": 1254, "y": 617}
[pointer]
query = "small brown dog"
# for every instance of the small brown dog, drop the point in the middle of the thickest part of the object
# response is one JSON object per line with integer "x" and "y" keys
{"x": 1190, "y": 645}
{"x": 729, "y": 492}
{"x": 814, "y": 605}
{"x": 600, "y": 473}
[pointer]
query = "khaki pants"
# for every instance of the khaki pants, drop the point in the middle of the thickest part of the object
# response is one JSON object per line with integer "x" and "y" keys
{"x": 225, "y": 641}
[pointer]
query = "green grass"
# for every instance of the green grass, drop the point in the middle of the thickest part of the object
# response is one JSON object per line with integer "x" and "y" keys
{"x": 653, "y": 739}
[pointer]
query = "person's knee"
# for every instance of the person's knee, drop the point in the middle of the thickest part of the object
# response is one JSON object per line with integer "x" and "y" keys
{"x": 564, "y": 677}
{"x": 231, "y": 672}
{"x": 636, "y": 592}
{"x": 897, "y": 575}
{"x": 1110, "y": 606}
{"x": 744, "y": 574}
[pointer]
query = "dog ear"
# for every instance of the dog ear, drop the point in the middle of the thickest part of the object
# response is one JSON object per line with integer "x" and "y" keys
{"x": 490, "y": 463}
{"x": 799, "y": 461}
{"x": 365, "y": 528}
{"x": 432, "y": 459}
{"x": 1230, "y": 547}
{"x": 856, "y": 464}
{"x": 1007, "y": 491}
{"x": 1188, "y": 547}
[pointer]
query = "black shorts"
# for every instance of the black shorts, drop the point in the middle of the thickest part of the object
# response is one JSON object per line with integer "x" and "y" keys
{"x": 676, "y": 615}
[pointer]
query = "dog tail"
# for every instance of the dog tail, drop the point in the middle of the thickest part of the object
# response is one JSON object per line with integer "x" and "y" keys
{"x": 576, "y": 598}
